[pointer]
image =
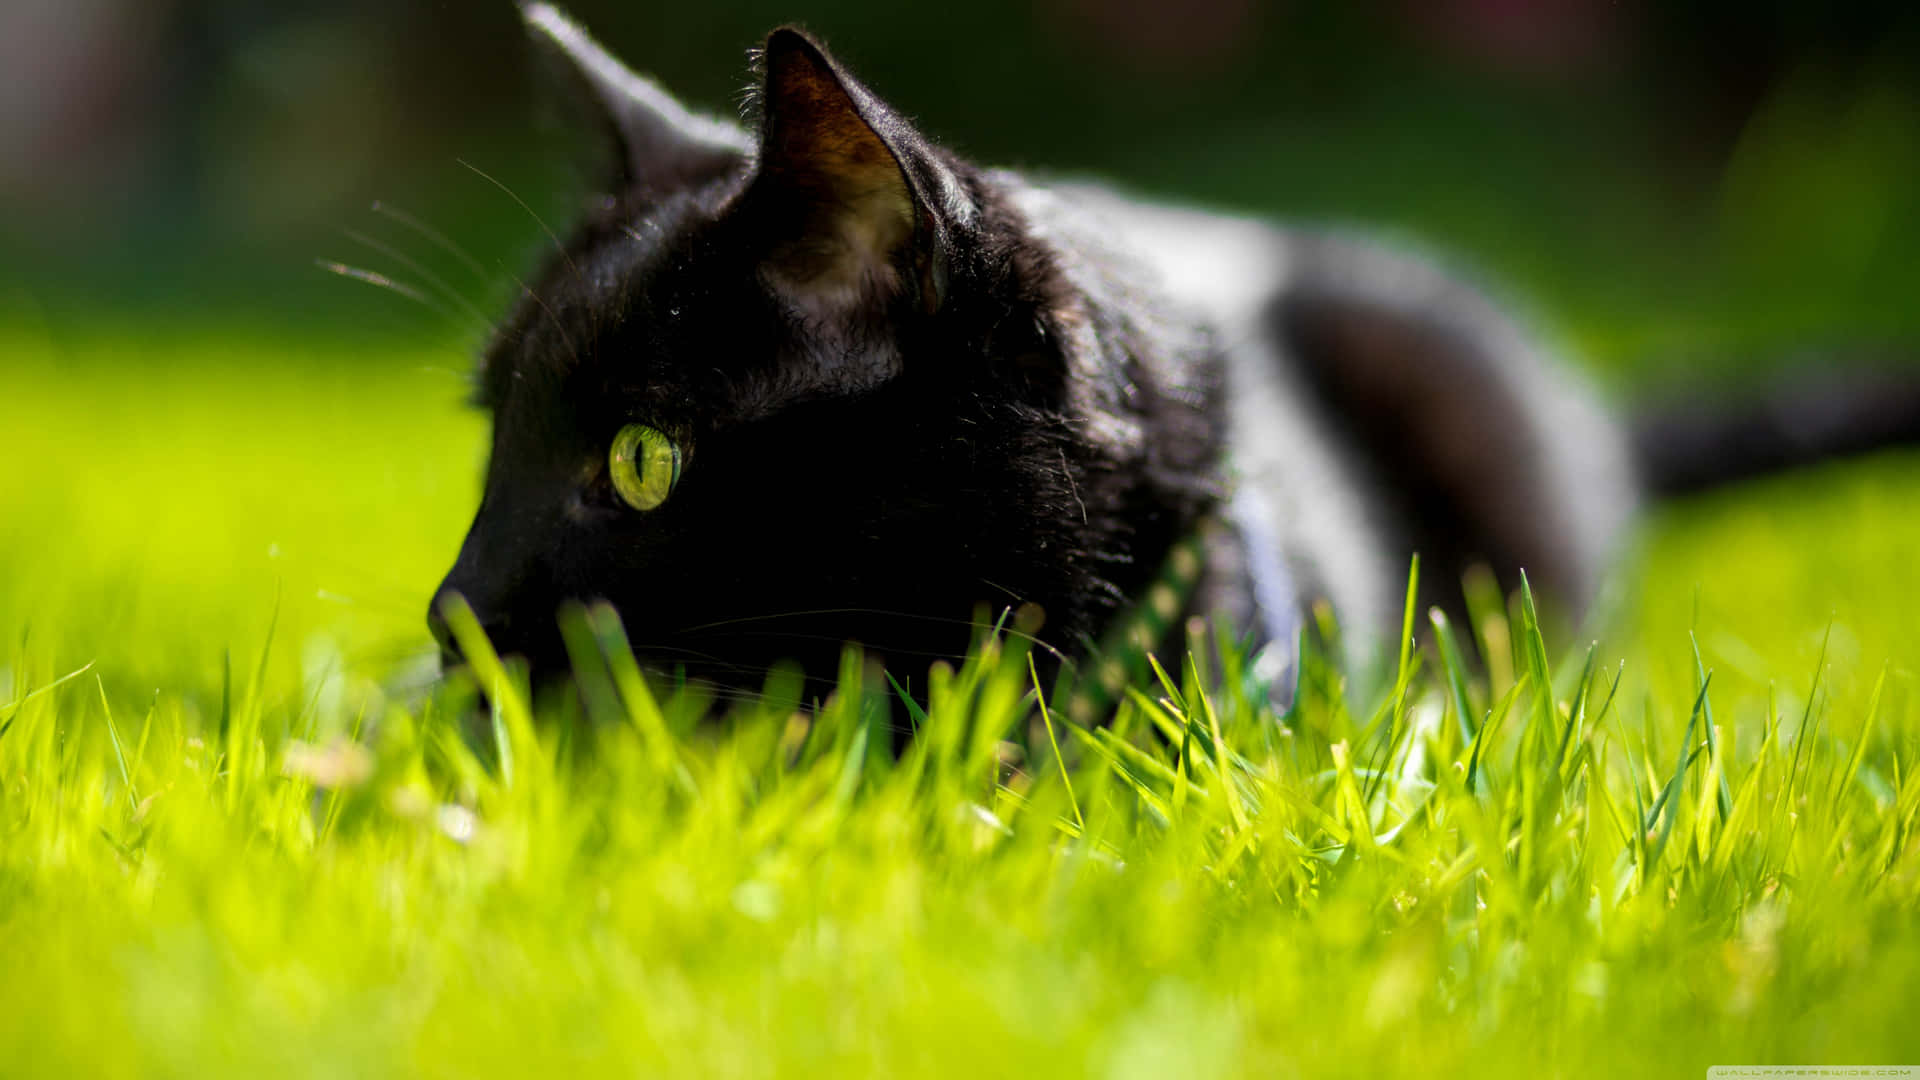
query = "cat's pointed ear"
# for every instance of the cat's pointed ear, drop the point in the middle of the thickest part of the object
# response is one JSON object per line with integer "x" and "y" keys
{"x": 655, "y": 142}
{"x": 860, "y": 203}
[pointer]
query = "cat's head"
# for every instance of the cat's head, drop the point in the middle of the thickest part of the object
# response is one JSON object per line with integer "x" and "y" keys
{"x": 785, "y": 388}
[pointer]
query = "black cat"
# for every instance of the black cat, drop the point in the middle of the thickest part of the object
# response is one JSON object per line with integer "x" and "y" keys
{"x": 827, "y": 382}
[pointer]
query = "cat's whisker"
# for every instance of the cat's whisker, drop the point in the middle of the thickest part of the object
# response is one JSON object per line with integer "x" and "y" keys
{"x": 708, "y": 659}
{"x": 538, "y": 220}
{"x": 433, "y": 235}
{"x": 703, "y": 661}
{"x": 877, "y": 646}
{"x": 558, "y": 326}
{"x": 734, "y": 696}
{"x": 1012, "y": 594}
{"x": 434, "y": 280}
{"x": 379, "y": 281}
{"x": 732, "y": 693}
{"x": 976, "y": 624}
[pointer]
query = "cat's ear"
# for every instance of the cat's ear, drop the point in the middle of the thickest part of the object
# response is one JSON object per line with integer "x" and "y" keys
{"x": 654, "y": 142}
{"x": 857, "y": 203}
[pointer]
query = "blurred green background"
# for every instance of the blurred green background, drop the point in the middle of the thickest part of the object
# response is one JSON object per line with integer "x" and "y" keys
{"x": 1661, "y": 182}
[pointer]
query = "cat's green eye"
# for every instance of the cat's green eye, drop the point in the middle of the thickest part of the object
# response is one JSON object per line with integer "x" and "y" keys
{"x": 644, "y": 465}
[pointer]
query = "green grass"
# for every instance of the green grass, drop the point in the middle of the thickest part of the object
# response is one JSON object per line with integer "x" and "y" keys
{"x": 243, "y": 836}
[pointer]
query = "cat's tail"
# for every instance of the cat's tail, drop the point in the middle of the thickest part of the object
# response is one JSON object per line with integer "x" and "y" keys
{"x": 1688, "y": 441}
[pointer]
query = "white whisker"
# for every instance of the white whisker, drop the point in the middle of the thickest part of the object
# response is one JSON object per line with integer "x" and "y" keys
{"x": 551, "y": 316}
{"x": 377, "y": 280}
{"x": 432, "y": 279}
{"x": 538, "y": 220}
{"x": 1003, "y": 629}
{"x": 438, "y": 238}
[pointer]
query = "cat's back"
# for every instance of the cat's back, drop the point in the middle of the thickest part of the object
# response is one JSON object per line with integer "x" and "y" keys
{"x": 1377, "y": 403}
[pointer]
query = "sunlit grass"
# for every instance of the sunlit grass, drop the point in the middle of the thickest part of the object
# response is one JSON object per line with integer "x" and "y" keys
{"x": 246, "y": 836}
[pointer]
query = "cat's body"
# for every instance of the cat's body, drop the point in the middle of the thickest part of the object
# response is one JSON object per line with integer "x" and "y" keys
{"x": 905, "y": 389}
{"x": 1374, "y": 406}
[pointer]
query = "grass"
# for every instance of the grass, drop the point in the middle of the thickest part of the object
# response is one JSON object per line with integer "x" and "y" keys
{"x": 242, "y": 834}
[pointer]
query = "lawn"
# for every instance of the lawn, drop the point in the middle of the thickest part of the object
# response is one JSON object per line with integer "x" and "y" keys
{"x": 242, "y": 832}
